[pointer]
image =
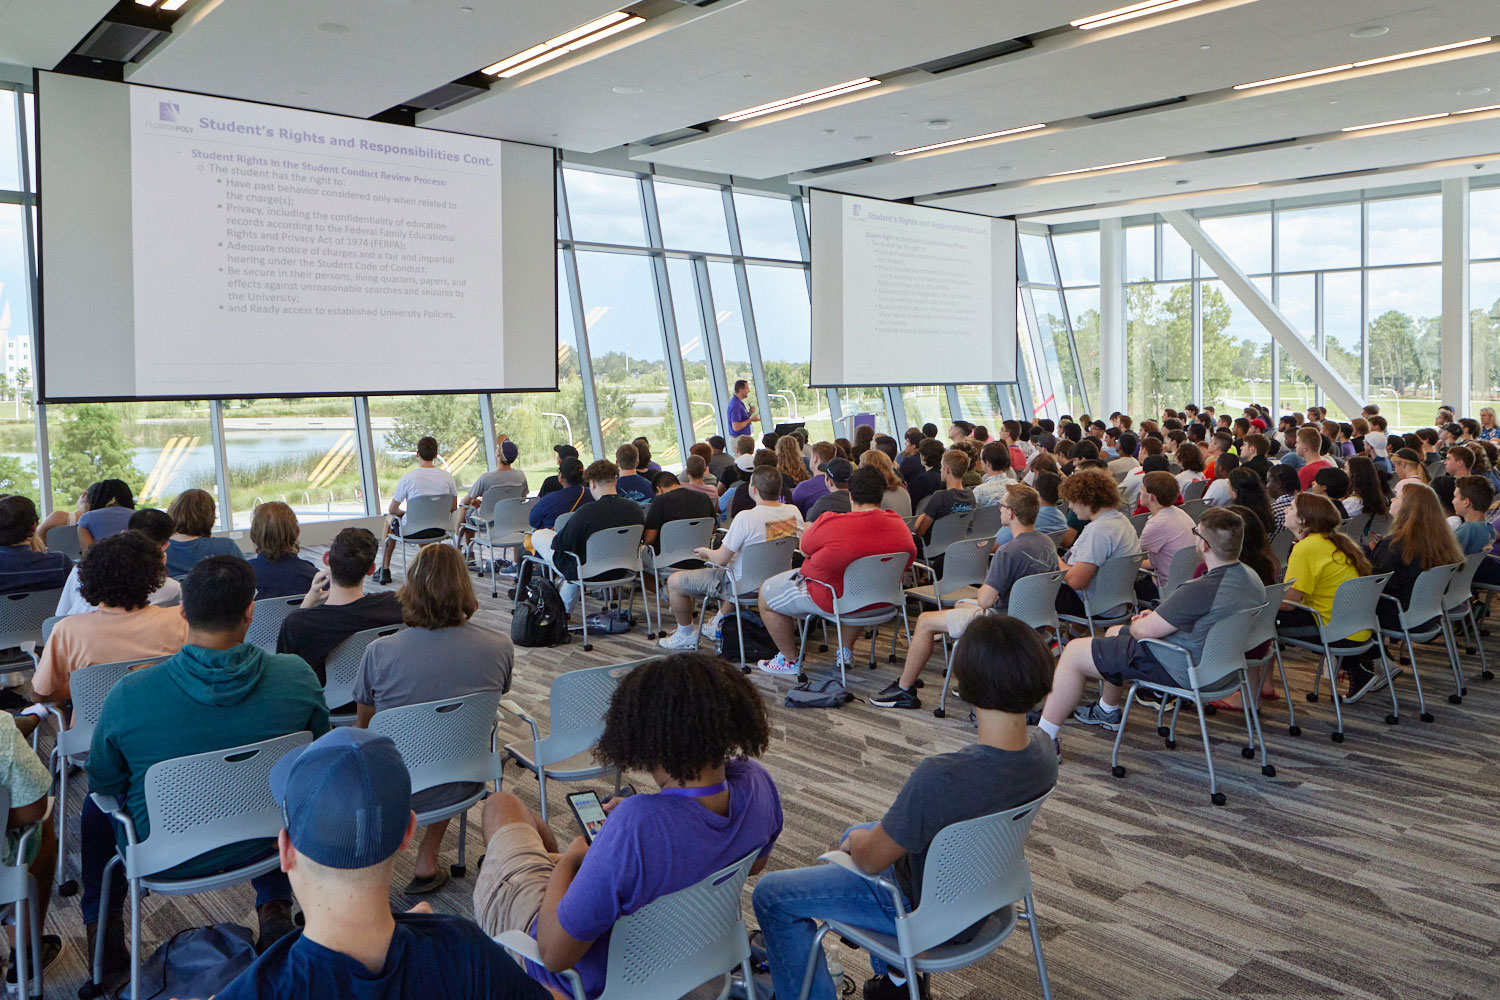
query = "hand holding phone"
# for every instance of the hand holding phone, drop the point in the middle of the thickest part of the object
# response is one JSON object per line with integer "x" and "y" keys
{"x": 589, "y": 812}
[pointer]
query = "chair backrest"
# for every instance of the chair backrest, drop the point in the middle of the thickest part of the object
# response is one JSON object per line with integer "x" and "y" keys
{"x": 947, "y": 530}
{"x": 1033, "y": 599}
{"x": 1429, "y": 593}
{"x": 1461, "y": 584}
{"x": 1263, "y": 623}
{"x": 921, "y": 507}
{"x": 1195, "y": 508}
{"x": 341, "y": 668}
{"x": 1355, "y": 526}
{"x": 1184, "y": 561}
{"x": 612, "y": 552}
{"x": 679, "y": 941}
{"x": 1194, "y": 490}
{"x": 872, "y": 580}
{"x": 449, "y": 740}
{"x": 986, "y": 522}
{"x": 562, "y": 519}
{"x": 508, "y": 515}
{"x": 22, "y": 615}
{"x": 266, "y": 619}
{"x": 576, "y": 705}
{"x": 1355, "y": 606}
{"x": 1223, "y": 650}
{"x": 1138, "y": 521}
{"x": 487, "y": 500}
{"x": 760, "y": 561}
{"x": 1114, "y": 583}
{"x": 973, "y": 869}
{"x": 64, "y": 539}
{"x": 428, "y": 513}
{"x": 1380, "y": 523}
{"x": 965, "y": 564}
{"x": 679, "y": 538}
{"x": 48, "y": 626}
{"x": 209, "y": 800}
{"x": 1281, "y": 546}
{"x": 88, "y": 687}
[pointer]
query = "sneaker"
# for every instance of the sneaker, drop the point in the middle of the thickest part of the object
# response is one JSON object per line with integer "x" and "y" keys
{"x": 1361, "y": 682}
{"x": 680, "y": 640}
{"x": 881, "y": 988}
{"x": 1093, "y": 715}
{"x": 845, "y": 657}
{"x": 779, "y": 664}
{"x": 383, "y": 577}
{"x": 51, "y": 949}
{"x": 1057, "y": 748}
{"x": 1151, "y": 699}
{"x": 714, "y": 631}
{"x": 896, "y": 696}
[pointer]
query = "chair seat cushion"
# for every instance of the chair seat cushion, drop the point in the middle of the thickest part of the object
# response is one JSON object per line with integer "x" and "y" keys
{"x": 965, "y": 949}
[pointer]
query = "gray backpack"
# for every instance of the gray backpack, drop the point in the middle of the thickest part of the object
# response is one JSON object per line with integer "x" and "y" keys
{"x": 818, "y": 694}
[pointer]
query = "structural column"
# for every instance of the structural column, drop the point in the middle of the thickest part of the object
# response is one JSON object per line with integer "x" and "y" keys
{"x": 1112, "y": 347}
{"x": 1455, "y": 357}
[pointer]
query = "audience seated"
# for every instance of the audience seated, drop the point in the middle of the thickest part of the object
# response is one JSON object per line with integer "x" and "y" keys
{"x": 504, "y": 474}
{"x": 1217, "y": 493}
{"x": 1409, "y": 470}
{"x": 563, "y": 452}
{"x": 720, "y": 460}
{"x": 694, "y": 470}
{"x": 218, "y": 692}
{"x": 1050, "y": 517}
{"x": 110, "y": 504}
{"x": 336, "y": 605}
{"x": 930, "y": 479}
{"x": 279, "y": 571}
{"x": 631, "y": 485}
{"x": 1168, "y": 529}
{"x": 953, "y": 498}
{"x": 716, "y": 806}
{"x": 896, "y": 498}
{"x": 674, "y": 502}
{"x": 1472, "y": 498}
{"x": 155, "y": 525}
{"x": 789, "y": 461}
{"x": 338, "y": 853}
{"x": 643, "y": 456}
{"x": 193, "y": 515}
{"x": 815, "y": 486}
{"x": 116, "y": 578}
{"x": 1003, "y": 669}
{"x": 830, "y": 545}
{"x": 1125, "y": 460}
{"x": 835, "y": 499}
{"x": 26, "y": 778}
{"x": 763, "y": 458}
{"x": 24, "y": 567}
{"x": 1332, "y": 483}
{"x": 1248, "y": 490}
{"x": 442, "y": 653}
{"x": 996, "y": 475}
{"x": 426, "y": 480}
{"x": 1092, "y": 496}
{"x": 1419, "y": 539}
{"x": 910, "y": 463}
{"x": 564, "y": 549}
{"x": 1190, "y": 458}
{"x": 566, "y": 498}
{"x": 1024, "y": 553}
{"x": 1283, "y": 485}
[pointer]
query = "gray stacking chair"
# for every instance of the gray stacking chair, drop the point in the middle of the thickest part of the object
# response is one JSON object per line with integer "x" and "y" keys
{"x": 678, "y": 539}
{"x": 965, "y": 564}
{"x": 1459, "y": 607}
{"x": 64, "y": 539}
{"x": 1220, "y": 671}
{"x": 341, "y": 670}
{"x": 1356, "y": 526}
{"x": 1114, "y": 586}
{"x": 48, "y": 626}
{"x": 1353, "y": 611}
{"x": 1425, "y": 609}
{"x": 1263, "y": 629}
{"x": 576, "y": 705}
{"x": 611, "y": 556}
{"x": 759, "y": 562}
{"x": 943, "y": 533}
{"x": 1194, "y": 491}
{"x": 197, "y": 804}
{"x": 1184, "y": 561}
{"x": 444, "y": 742}
{"x": 1195, "y": 508}
{"x": 1281, "y": 546}
{"x": 673, "y": 944}
{"x": 266, "y": 619}
{"x": 427, "y": 520}
{"x": 1138, "y": 521}
{"x": 872, "y": 596}
{"x": 21, "y": 618}
{"x": 501, "y": 523}
{"x": 976, "y": 873}
{"x": 1032, "y": 601}
{"x": 987, "y": 521}
{"x": 18, "y": 890}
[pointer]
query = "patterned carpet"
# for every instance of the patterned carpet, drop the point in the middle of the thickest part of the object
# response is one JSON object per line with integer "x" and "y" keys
{"x": 1366, "y": 869}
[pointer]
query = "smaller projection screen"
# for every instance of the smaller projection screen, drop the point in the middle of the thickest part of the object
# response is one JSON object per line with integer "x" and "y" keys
{"x": 904, "y": 295}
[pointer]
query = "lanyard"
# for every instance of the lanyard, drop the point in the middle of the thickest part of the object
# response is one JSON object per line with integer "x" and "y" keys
{"x": 707, "y": 791}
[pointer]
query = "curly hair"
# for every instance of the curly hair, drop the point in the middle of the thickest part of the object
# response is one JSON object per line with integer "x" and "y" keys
{"x": 108, "y": 492}
{"x": 121, "y": 571}
{"x": 1094, "y": 488}
{"x": 683, "y": 714}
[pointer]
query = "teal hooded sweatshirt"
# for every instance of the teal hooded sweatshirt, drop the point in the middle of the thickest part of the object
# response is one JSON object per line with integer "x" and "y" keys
{"x": 198, "y": 701}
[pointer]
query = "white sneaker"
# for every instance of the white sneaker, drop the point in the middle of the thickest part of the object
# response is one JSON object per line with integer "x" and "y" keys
{"x": 845, "y": 657}
{"x": 779, "y": 664}
{"x": 680, "y": 640}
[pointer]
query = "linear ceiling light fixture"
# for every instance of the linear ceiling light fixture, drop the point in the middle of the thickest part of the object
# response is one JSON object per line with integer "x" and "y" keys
{"x": 973, "y": 138}
{"x": 169, "y": 5}
{"x": 559, "y": 45}
{"x": 1107, "y": 166}
{"x": 1341, "y": 67}
{"x": 839, "y": 90}
{"x": 1129, "y": 13}
{"x": 1422, "y": 118}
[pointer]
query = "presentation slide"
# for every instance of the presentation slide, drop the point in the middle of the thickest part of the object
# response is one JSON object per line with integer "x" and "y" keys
{"x": 903, "y": 295}
{"x": 252, "y": 250}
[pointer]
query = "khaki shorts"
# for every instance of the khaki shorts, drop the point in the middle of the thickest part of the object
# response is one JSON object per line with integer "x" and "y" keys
{"x": 698, "y": 582}
{"x": 956, "y": 619}
{"x": 787, "y": 594}
{"x": 508, "y": 892}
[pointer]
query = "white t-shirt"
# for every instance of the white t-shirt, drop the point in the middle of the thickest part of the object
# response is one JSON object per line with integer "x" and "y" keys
{"x": 72, "y": 603}
{"x": 763, "y": 522}
{"x": 1217, "y": 493}
{"x": 1130, "y": 486}
{"x": 1108, "y": 536}
{"x": 1185, "y": 477}
{"x": 425, "y": 482}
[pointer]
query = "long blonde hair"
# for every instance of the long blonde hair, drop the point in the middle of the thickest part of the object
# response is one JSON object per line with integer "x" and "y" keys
{"x": 789, "y": 458}
{"x": 881, "y": 462}
{"x": 1422, "y": 530}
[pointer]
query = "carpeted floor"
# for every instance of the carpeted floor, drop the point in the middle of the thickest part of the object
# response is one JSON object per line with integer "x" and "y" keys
{"x": 1364, "y": 869}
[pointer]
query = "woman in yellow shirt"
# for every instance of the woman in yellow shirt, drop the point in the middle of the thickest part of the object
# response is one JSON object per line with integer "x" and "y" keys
{"x": 1321, "y": 559}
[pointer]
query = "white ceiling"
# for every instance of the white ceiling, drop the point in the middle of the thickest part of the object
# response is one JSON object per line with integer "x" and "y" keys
{"x": 693, "y": 64}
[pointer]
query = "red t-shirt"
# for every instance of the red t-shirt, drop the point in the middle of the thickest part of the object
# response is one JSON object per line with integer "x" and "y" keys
{"x": 834, "y": 541}
{"x": 1017, "y": 459}
{"x": 1306, "y": 473}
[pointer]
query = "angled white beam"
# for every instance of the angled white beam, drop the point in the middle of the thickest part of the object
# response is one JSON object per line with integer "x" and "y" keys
{"x": 1455, "y": 354}
{"x": 1263, "y": 309}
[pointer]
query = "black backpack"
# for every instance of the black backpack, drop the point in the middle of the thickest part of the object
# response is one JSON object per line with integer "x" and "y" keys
{"x": 539, "y": 618}
{"x": 758, "y": 642}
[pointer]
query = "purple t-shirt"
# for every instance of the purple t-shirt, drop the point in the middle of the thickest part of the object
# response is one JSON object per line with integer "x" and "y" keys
{"x": 653, "y": 845}
{"x": 809, "y": 492}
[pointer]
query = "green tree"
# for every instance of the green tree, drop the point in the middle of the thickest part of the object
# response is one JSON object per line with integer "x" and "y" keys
{"x": 453, "y": 420}
{"x": 17, "y": 476}
{"x": 88, "y": 447}
{"x": 1395, "y": 362}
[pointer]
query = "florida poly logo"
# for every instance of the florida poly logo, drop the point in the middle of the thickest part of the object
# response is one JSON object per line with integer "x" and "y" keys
{"x": 857, "y": 210}
{"x": 167, "y": 111}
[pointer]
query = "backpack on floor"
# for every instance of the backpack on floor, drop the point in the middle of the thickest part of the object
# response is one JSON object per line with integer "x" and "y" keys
{"x": 611, "y": 621}
{"x": 196, "y": 963}
{"x": 818, "y": 694}
{"x": 539, "y": 618}
{"x": 758, "y": 642}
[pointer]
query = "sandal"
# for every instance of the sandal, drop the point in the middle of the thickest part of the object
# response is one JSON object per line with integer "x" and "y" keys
{"x": 1226, "y": 706}
{"x": 421, "y": 885}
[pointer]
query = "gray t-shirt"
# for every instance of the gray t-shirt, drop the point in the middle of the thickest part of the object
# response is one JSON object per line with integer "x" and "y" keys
{"x": 1198, "y": 605}
{"x": 499, "y": 477}
{"x": 418, "y": 664}
{"x": 1024, "y": 555}
{"x": 949, "y": 788}
{"x": 1108, "y": 536}
{"x": 837, "y": 502}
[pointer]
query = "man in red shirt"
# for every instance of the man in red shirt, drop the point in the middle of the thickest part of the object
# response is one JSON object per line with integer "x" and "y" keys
{"x": 830, "y": 544}
{"x": 1309, "y": 449}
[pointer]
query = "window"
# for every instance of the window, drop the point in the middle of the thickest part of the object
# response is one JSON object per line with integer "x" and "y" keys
{"x": 1036, "y": 259}
{"x": 1317, "y": 238}
{"x": 1057, "y": 352}
{"x": 605, "y": 208}
{"x": 159, "y": 449}
{"x": 1406, "y": 230}
{"x": 1245, "y": 239}
{"x": 303, "y": 452}
{"x": 927, "y": 404}
{"x": 1077, "y": 257}
{"x": 10, "y": 155}
{"x": 980, "y": 404}
{"x": 861, "y": 401}
{"x": 397, "y": 423}
{"x": 767, "y": 228}
{"x": 1484, "y": 319}
{"x": 1343, "y": 340}
{"x": 1083, "y": 310}
{"x": 1176, "y": 256}
{"x": 700, "y": 392}
{"x": 1140, "y": 253}
{"x": 625, "y": 339}
{"x": 1484, "y": 223}
{"x": 784, "y": 326}
{"x": 692, "y": 217}
{"x": 733, "y": 343}
{"x": 1158, "y": 339}
{"x": 1236, "y": 351}
{"x": 1405, "y": 333}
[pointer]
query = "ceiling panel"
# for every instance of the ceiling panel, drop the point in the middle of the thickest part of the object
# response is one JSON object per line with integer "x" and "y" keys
{"x": 740, "y": 55}
{"x": 394, "y": 50}
{"x": 38, "y": 33}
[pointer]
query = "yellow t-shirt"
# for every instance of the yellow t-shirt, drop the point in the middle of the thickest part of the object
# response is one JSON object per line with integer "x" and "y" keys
{"x": 1316, "y": 568}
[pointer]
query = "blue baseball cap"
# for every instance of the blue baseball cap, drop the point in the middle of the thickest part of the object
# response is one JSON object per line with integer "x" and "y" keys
{"x": 509, "y": 451}
{"x": 345, "y": 798}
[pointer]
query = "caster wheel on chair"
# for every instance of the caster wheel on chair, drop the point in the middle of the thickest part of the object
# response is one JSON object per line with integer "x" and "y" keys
{"x": 1488, "y": 675}
{"x": 745, "y": 669}
{"x": 1217, "y": 798}
{"x": 1393, "y": 720}
{"x": 458, "y": 871}
{"x": 1455, "y": 699}
{"x": 938, "y": 713}
{"x": 588, "y": 647}
{"x": 1269, "y": 770}
{"x": 1118, "y": 770}
{"x": 1247, "y": 752}
{"x": 510, "y": 595}
{"x": 88, "y": 991}
{"x": 891, "y": 658}
{"x": 1312, "y": 696}
{"x": 823, "y": 647}
{"x": 68, "y": 888}
{"x": 801, "y": 678}
{"x": 1406, "y": 661}
{"x": 1171, "y": 744}
{"x": 1294, "y": 730}
{"x": 1426, "y": 716}
{"x": 1163, "y": 731}
{"x": 1336, "y": 737}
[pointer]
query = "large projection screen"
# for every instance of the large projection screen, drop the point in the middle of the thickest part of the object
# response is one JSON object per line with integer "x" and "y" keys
{"x": 197, "y": 247}
{"x": 903, "y": 295}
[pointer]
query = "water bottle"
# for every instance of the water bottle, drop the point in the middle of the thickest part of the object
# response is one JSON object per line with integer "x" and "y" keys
{"x": 835, "y": 968}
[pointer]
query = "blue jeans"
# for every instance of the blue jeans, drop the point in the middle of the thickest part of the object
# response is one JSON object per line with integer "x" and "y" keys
{"x": 97, "y": 833}
{"x": 788, "y": 905}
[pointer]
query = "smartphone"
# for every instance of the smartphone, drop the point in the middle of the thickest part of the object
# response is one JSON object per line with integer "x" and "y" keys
{"x": 589, "y": 812}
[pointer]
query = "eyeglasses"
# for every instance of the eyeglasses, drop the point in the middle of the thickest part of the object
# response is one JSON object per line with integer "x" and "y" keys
{"x": 1198, "y": 533}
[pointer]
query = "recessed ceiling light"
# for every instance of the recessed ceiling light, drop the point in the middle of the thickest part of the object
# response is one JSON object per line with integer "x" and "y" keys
{"x": 569, "y": 41}
{"x": 838, "y": 90}
{"x": 1361, "y": 64}
{"x": 627, "y": 90}
{"x": 1108, "y": 166}
{"x": 334, "y": 28}
{"x": 1396, "y": 121}
{"x": 1129, "y": 13}
{"x": 968, "y": 139}
{"x": 1204, "y": 48}
{"x": 1473, "y": 92}
{"x": 1369, "y": 31}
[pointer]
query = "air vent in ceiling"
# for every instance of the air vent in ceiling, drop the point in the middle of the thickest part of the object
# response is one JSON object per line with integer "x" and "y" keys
{"x": 836, "y": 167}
{"x": 1131, "y": 109}
{"x": 696, "y": 3}
{"x": 447, "y": 95}
{"x": 1235, "y": 150}
{"x": 969, "y": 58}
{"x": 1339, "y": 175}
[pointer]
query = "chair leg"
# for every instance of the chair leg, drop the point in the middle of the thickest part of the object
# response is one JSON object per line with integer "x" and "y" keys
{"x": 1114, "y": 754}
{"x": 104, "y": 895}
{"x": 583, "y": 610}
{"x": 1286, "y": 692}
{"x": 1252, "y": 698}
{"x": 838, "y": 631}
{"x": 1484, "y": 665}
{"x": 813, "y": 954}
{"x": 1036, "y": 947}
{"x": 60, "y": 822}
{"x": 661, "y": 629}
{"x": 942, "y": 709}
{"x": 1390, "y": 682}
{"x": 461, "y": 869}
{"x": 1416, "y": 676}
{"x": 1245, "y": 701}
{"x": 135, "y": 939}
{"x": 802, "y": 645}
{"x": 1214, "y": 795}
{"x": 1333, "y": 690}
{"x": 541, "y": 780}
{"x": 21, "y": 910}
{"x": 739, "y": 633}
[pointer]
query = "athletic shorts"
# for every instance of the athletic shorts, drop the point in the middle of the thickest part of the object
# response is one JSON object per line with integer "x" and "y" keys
{"x": 786, "y": 593}
{"x": 1121, "y": 659}
{"x": 956, "y": 619}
